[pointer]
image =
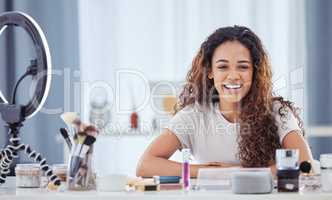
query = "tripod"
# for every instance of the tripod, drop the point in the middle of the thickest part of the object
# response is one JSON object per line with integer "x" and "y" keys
{"x": 11, "y": 151}
{"x": 14, "y": 114}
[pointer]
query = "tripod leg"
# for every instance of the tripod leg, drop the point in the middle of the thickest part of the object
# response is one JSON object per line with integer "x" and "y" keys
{"x": 33, "y": 155}
{"x": 6, "y": 158}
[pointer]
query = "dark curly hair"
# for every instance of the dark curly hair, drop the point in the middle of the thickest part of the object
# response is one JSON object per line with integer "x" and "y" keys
{"x": 258, "y": 138}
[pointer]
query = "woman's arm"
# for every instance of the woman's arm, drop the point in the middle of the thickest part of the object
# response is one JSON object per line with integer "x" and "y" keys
{"x": 155, "y": 161}
{"x": 295, "y": 140}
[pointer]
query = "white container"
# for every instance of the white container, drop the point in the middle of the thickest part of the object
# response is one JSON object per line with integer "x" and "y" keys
{"x": 28, "y": 175}
{"x": 111, "y": 183}
{"x": 326, "y": 172}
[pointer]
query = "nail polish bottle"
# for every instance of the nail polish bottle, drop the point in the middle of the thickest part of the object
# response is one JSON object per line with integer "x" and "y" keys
{"x": 186, "y": 169}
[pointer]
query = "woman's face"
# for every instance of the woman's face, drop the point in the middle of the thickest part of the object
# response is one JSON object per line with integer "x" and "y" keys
{"x": 232, "y": 71}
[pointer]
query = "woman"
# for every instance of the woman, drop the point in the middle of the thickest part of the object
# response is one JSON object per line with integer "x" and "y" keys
{"x": 227, "y": 114}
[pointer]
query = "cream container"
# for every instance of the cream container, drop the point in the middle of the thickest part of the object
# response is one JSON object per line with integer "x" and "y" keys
{"x": 61, "y": 171}
{"x": 28, "y": 175}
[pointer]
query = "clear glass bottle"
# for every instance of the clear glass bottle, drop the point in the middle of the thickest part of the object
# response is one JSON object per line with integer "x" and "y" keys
{"x": 326, "y": 172}
{"x": 308, "y": 181}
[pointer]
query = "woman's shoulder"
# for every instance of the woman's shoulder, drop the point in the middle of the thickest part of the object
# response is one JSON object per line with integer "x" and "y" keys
{"x": 286, "y": 119}
{"x": 281, "y": 106}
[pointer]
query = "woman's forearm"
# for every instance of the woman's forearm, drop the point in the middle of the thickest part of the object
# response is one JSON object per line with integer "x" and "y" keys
{"x": 156, "y": 166}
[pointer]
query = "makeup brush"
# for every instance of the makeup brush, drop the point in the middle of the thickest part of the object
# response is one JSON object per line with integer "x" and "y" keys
{"x": 89, "y": 140}
{"x": 72, "y": 120}
{"x": 65, "y": 135}
{"x": 69, "y": 117}
{"x": 91, "y": 130}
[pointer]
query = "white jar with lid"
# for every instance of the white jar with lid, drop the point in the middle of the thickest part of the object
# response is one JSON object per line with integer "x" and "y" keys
{"x": 326, "y": 172}
{"x": 28, "y": 175}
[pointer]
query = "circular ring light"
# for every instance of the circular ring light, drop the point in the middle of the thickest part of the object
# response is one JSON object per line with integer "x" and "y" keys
{"x": 42, "y": 80}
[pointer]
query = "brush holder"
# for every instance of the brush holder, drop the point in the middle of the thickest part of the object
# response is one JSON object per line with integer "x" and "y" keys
{"x": 80, "y": 174}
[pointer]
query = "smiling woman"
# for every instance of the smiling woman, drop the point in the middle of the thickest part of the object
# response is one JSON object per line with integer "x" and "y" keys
{"x": 226, "y": 114}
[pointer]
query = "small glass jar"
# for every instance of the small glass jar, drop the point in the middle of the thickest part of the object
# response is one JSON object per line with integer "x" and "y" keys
{"x": 326, "y": 172}
{"x": 28, "y": 175}
{"x": 310, "y": 183}
{"x": 61, "y": 171}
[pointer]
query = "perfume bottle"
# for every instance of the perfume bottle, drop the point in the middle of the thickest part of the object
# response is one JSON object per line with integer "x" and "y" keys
{"x": 308, "y": 181}
{"x": 186, "y": 169}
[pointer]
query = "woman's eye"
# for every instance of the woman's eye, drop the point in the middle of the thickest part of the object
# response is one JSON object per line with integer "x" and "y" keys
{"x": 222, "y": 67}
{"x": 244, "y": 67}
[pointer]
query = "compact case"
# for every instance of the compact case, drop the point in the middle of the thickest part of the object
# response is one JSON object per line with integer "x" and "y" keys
{"x": 252, "y": 182}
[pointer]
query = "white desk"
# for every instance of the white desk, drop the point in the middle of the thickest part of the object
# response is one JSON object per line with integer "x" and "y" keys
{"x": 9, "y": 192}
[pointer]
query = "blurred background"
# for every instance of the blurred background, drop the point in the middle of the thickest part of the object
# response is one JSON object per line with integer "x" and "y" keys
{"x": 113, "y": 59}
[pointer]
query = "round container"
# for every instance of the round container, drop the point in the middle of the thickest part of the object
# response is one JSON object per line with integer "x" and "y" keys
{"x": 61, "y": 171}
{"x": 28, "y": 175}
{"x": 326, "y": 172}
{"x": 111, "y": 182}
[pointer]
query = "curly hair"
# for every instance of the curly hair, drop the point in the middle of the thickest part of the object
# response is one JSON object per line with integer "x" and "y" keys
{"x": 258, "y": 138}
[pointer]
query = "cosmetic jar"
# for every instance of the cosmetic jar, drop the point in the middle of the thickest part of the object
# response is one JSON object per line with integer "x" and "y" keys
{"x": 28, "y": 175}
{"x": 326, "y": 172}
{"x": 309, "y": 182}
{"x": 111, "y": 182}
{"x": 61, "y": 171}
{"x": 287, "y": 170}
{"x": 242, "y": 182}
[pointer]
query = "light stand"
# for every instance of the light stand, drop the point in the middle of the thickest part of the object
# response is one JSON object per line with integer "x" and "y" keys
{"x": 13, "y": 114}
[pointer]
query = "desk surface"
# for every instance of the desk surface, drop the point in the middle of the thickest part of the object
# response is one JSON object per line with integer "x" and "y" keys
{"x": 8, "y": 192}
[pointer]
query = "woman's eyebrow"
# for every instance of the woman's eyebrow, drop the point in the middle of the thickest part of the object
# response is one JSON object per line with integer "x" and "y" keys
{"x": 222, "y": 60}
{"x": 243, "y": 61}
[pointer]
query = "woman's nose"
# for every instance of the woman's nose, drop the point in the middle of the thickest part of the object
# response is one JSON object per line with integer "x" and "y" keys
{"x": 233, "y": 75}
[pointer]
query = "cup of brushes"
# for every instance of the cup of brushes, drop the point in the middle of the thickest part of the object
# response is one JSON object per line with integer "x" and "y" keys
{"x": 80, "y": 142}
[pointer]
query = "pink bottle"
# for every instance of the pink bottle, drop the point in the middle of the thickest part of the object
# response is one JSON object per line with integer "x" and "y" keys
{"x": 186, "y": 169}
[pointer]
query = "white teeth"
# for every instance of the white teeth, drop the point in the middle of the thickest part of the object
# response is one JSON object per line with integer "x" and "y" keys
{"x": 229, "y": 86}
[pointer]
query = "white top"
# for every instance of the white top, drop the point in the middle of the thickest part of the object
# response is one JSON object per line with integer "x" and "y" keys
{"x": 212, "y": 138}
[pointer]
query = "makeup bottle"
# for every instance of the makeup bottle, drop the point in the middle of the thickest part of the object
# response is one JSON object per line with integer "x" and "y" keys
{"x": 186, "y": 169}
{"x": 287, "y": 170}
{"x": 134, "y": 120}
